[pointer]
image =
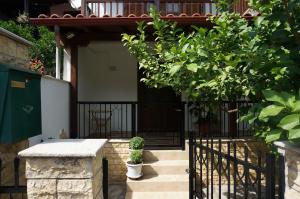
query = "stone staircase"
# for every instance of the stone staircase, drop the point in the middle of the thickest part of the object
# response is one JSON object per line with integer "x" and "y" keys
{"x": 164, "y": 177}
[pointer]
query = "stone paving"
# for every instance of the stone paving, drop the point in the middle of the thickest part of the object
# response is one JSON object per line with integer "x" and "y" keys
{"x": 117, "y": 191}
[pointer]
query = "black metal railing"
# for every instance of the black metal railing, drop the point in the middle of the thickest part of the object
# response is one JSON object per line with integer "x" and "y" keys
{"x": 106, "y": 119}
{"x": 221, "y": 169}
{"x": 219, "y": 120}
{"x": 161, "y": 124}
{"x": 10, "y": 175}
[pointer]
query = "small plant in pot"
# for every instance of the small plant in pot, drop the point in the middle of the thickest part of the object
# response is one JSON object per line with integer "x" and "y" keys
{"x": 135, "y": 164}
{"x": 136, "y": 143}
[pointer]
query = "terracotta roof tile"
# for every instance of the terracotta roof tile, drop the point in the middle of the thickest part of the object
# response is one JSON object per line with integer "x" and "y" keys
{"x": 132, "y": 15}
{"x": 67, "y": 16}
{"x": 55, "y": 16}
{"x": 43, "y": 16}
{"x": 79, "y": 16}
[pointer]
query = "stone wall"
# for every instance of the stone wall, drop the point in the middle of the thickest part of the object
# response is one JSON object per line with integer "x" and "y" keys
{"x": 8, "y": 153}
{"x": 116, "y": 152}
{"x": 65, "y": 169}
{"x": 291, "y": 155}
{"x": 14, "y": 50}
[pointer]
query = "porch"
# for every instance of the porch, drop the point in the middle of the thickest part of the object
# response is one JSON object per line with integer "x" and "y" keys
{"x": 113, "y": 103}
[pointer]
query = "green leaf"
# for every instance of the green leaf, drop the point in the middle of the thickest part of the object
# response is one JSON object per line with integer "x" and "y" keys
{"x": 296, "y": 106}
{"x": 175, "y": 69}
{"x": 273, "y": 135}
{"x": 273, "y": 96}
{"x": 294, "y": 133}
{"x": 271, "y": 110}
{"x": 192, "y": 67}
{"x": 259, "y": 20}
{"x": 289, "y": 121}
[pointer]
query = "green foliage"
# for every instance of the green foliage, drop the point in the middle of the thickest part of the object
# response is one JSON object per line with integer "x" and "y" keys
{"x": 136, "y": 143}
{"x": 43, "y": 40}
{"x": 205, "y": 64}
{"x": 136, "y": 157}
{"x": 278, "y": 116}
{"x": 234, "y": 58}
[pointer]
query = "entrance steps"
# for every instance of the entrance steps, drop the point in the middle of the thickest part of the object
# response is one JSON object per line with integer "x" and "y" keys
{"x": 164, "y": 176}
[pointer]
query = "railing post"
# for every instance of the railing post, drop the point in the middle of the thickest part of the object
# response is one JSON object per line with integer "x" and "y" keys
{"x": 281, "y": 172}
{"x": 157, "y": 5}
{"x": 270, "y": 176}
{"x": 105, "y": 178}
{"x": 83, "y": 7}
{"x": 191, "y": 164}
{"x": 133, "y": 119}
{"x": 232, "y": 120}
{"x": 182, "y": 129}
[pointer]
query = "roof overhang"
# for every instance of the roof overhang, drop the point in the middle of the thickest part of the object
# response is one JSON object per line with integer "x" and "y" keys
{"x": 87, "y": 29}
{"x": 112, "y": 21}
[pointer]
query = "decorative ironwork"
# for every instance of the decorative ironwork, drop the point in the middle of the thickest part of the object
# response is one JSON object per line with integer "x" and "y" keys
{"x": 11, "y": 189}
{"x": 223, "y": 169}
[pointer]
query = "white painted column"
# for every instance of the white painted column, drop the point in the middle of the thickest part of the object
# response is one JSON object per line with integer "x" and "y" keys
{"x": 58, "y": 62}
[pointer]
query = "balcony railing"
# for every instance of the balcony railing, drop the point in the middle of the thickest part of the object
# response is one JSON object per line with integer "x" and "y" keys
{"x": 132, "y": 8}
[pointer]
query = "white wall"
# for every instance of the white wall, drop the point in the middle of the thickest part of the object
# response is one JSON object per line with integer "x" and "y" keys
{"x": 106, "y": 72}
{"x": 55, "y": 102}
{"x": 67, "y": 65}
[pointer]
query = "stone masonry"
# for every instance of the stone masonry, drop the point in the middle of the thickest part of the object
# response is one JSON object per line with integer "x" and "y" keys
{"x": 291, "y": 155}
{"x": 116, "y": 152}
{"x": 14, "y": 49}
{"x": 65, "y": 169}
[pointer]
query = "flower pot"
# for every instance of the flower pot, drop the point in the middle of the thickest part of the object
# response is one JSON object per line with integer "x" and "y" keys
{"x": 134, "y": 171}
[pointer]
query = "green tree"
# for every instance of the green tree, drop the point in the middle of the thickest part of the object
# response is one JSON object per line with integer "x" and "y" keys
{"x": 43, "y": 49}
{"x": 235, "y": 58}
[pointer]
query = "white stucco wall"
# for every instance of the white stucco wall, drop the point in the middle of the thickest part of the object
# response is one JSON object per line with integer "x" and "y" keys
{"x": 55, "y": 98}
{"x": 66, "y": 65}
{"x": 106, "y": 72}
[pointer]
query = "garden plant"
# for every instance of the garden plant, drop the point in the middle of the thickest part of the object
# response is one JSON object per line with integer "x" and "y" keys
{"x": 257, "y": 58}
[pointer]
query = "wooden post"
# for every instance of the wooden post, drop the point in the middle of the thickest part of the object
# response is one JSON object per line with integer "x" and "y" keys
{"x": 74, "y": 92}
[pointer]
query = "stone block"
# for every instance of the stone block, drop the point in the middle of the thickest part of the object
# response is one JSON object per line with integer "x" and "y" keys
{"x": 41, "y": 188}
{"x": 59, "y": 168}
{"x": 75, "y": 188}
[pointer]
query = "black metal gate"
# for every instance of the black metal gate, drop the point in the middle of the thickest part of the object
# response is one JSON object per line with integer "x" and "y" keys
{"x": 226, "y": 169}
{"x": 10, "y": 186}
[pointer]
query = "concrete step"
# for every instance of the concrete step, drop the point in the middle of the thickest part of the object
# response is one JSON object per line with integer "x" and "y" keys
{"x": 166, "y": 167}
{"x": 159, "y": 183}
{"x": 157, "y": 195}
{"x": 155, "y": 155}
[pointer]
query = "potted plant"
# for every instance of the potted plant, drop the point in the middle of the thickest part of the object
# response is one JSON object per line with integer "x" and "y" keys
{"x": 135, "y": 164}
{"x": 136, "y": 143}
{"x": 206, "y": 120}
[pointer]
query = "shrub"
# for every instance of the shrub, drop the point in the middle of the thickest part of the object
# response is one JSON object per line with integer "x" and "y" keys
{"x": 136, "y": 157}
{"x": 136, "y": 143}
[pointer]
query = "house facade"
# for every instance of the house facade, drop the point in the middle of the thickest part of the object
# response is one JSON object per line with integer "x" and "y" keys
{"x": 108, "y": 100}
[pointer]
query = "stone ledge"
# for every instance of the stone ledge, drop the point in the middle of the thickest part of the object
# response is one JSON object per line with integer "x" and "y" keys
{"x": 288, "y": 146}
{"x": 65, "y": 148}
